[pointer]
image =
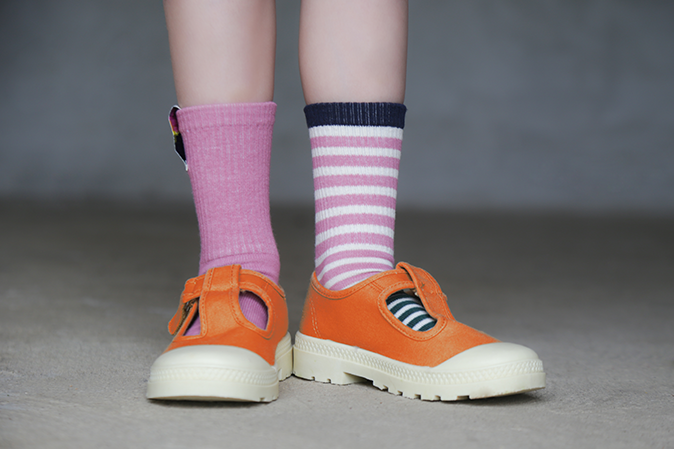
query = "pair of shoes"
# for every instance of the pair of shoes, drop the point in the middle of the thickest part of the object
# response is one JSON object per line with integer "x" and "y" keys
{"x": 345, "y": 336}
{"x": 231, "y": 359}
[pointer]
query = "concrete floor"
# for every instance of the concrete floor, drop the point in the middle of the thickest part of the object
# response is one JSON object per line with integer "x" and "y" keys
{"x": 86, "y": 291}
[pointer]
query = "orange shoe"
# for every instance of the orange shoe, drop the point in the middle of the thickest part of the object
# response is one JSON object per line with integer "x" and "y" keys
{"x": 350, "y": 335}
{"x": 232, "y": 359}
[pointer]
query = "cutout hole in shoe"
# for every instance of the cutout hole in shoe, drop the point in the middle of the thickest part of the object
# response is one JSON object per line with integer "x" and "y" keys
{"x": 254, "y": 309}
{"x": 194, "y": 327}
{"x": 409, "y": 310}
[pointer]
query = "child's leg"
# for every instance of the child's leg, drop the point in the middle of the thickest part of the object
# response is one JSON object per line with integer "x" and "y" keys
{"x": 223, "y": 60}
{"x": 223, "y": 63}
{"x": 222, "y": 52}
{"x": 353, "y": 50}
{"x": 352, "y": 61}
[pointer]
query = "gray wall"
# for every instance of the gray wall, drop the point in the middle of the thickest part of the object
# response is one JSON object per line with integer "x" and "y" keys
{"x": 512, "y": 104}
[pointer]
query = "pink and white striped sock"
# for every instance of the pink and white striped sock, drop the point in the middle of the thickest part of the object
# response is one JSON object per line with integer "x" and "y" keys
{"x": 355, "y": 153}
{"x": 227, "y": 149}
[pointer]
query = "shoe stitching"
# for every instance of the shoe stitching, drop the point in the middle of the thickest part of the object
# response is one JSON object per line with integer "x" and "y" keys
{"x": 203, "y": 303}
{"x": 213, "y": 374}
{"x": 313, "y": 320}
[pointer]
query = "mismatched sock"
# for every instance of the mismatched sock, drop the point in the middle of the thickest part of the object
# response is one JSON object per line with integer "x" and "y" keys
{"x": 356, "y": 154}
{"x": 409, "y": 310}
{"x": 228, "y": 150}
{"x": 356, "y": 150}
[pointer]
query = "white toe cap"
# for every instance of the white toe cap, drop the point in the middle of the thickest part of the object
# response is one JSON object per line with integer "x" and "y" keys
{"x": 488, "y": 355}
{"x": 215, "y": 356}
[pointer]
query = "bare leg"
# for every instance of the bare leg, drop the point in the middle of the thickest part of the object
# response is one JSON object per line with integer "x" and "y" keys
{"x": 222, "y": 51}
{"x": 353, "y": 50}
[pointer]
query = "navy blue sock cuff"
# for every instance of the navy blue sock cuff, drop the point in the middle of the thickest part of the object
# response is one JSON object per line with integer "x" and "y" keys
{"x": 356, "y": 114}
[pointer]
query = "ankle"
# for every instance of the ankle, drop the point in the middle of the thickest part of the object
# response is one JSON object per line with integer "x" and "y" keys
{"x": 267, "y": 264}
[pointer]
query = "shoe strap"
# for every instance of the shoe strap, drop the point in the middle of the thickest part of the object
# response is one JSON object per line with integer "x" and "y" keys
{"x": 428, "y": 290}
{"x": 247, "y": 280}
{"x": 189, "y": 297}
{"x": 404, "y": 276}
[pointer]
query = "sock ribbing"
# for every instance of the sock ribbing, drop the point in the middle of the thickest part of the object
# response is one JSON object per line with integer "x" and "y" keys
{"x": 228, "y": 151}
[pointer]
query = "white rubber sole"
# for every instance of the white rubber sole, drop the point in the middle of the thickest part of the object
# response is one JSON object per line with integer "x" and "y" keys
{"x": 219, "y": 373}
{"x": 495, "y": 369}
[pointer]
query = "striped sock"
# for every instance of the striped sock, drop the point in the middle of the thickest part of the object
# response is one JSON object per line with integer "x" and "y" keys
{"x": 355, "y": 150}
{"x": 408, "y": 309}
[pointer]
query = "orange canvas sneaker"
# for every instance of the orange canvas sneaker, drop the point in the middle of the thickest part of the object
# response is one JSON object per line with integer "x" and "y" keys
{"x": 231, "y": 359}
{"x": 350, "y": 335}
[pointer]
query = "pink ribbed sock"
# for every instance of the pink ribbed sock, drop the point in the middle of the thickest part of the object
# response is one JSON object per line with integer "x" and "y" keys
{"x": 356, "y": 154}
{"x": 228, "y": 149}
